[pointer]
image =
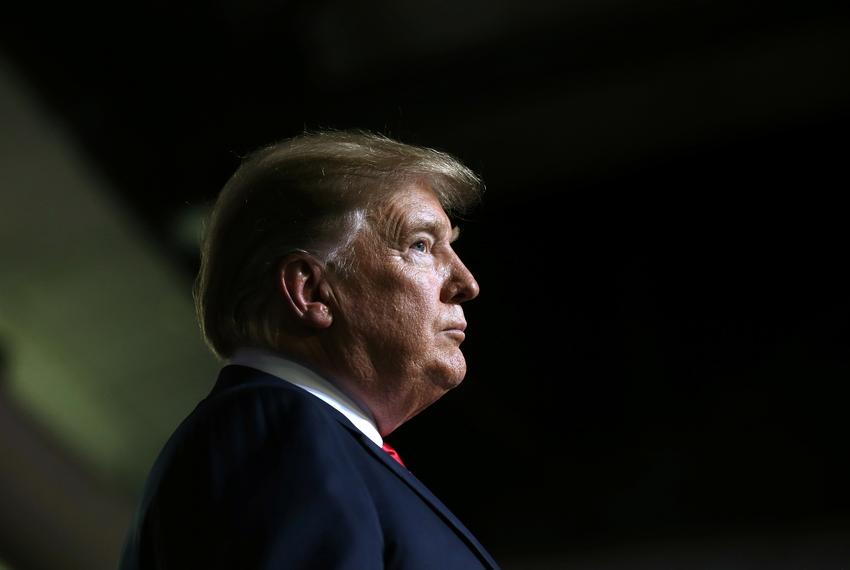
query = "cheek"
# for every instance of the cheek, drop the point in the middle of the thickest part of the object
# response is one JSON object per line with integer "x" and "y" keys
{"x": 413, "y": 301}
{"x": 405, "y": 330}
{"x": 400, "y": 313}
{"x": 413, "y": 321}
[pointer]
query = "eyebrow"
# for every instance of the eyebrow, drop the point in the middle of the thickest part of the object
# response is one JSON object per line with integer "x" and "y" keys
{"x": 434, "y": 227}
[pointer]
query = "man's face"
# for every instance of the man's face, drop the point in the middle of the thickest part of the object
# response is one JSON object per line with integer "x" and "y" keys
{"x": 399, "y": 313}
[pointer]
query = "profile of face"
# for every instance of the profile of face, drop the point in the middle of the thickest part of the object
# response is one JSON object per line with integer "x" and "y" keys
{"x": 399, "y": 314}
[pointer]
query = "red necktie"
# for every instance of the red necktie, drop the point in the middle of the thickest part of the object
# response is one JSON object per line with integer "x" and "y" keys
{"x": 393, "y": 453}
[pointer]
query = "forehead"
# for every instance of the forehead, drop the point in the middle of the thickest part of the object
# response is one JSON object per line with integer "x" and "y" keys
{"x": 413, "y": 207}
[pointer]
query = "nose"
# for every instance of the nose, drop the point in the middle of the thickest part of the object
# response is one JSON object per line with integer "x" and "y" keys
{"x": 461, "y": 286}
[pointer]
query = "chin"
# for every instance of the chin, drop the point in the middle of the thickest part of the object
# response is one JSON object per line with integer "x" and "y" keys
{"x": 452, "y": 373}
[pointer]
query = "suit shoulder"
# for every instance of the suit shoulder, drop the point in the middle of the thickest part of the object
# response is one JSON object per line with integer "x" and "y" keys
{"x": 254, "y": 418}
{"x": 251, "y": 458}
{"x": 272, "y": 434}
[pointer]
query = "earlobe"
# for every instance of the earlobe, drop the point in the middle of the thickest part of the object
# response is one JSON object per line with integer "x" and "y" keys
{"x": 303, "y": 288}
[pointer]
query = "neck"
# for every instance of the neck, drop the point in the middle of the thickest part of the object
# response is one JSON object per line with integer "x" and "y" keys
{"x": 354, "y": 375}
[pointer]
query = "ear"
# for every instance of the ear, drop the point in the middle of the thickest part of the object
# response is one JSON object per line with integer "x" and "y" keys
{"x": 305, "y": 290}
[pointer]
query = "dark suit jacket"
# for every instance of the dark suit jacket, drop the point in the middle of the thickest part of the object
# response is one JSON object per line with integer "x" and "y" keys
{"x": 263, "y": 475}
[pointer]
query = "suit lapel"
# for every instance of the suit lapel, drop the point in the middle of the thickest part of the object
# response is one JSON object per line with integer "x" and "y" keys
{"x": 239, "y": 377}
{"x": 420, "y": 489}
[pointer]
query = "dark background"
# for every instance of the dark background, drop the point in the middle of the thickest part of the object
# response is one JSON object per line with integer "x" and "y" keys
{"x": 660, "y": 348}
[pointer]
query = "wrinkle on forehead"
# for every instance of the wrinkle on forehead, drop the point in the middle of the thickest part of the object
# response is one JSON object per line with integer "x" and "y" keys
{"x": 435, "y": 225}
{"x": 406, "y": 213}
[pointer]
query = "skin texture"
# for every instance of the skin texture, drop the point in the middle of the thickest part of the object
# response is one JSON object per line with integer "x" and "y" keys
{"x": 389, "y": 334}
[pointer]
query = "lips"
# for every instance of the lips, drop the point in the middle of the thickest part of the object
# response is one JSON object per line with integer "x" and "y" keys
{"x": 458, "y": 326}
{"x": 456, "y": 331}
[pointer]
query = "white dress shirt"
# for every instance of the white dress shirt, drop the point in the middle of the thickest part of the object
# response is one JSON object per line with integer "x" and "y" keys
{"x": 294, "y": 373}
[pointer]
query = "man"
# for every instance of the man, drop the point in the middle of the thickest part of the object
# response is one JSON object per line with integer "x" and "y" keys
{"x": 329, "y": 283}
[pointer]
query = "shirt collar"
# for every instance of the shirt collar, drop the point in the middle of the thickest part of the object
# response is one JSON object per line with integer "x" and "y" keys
{"x": 294, "y": 373}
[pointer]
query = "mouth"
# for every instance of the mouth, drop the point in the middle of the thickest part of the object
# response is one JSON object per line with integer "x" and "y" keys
{"x": 456, "y": 331}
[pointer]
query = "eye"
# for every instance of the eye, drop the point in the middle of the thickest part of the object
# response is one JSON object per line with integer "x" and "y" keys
{"x": 420, "y": 245}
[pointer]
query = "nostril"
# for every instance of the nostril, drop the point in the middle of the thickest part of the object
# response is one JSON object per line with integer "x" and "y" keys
{"x": 461, "y": 285}
{"x": 466, "y": 289}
